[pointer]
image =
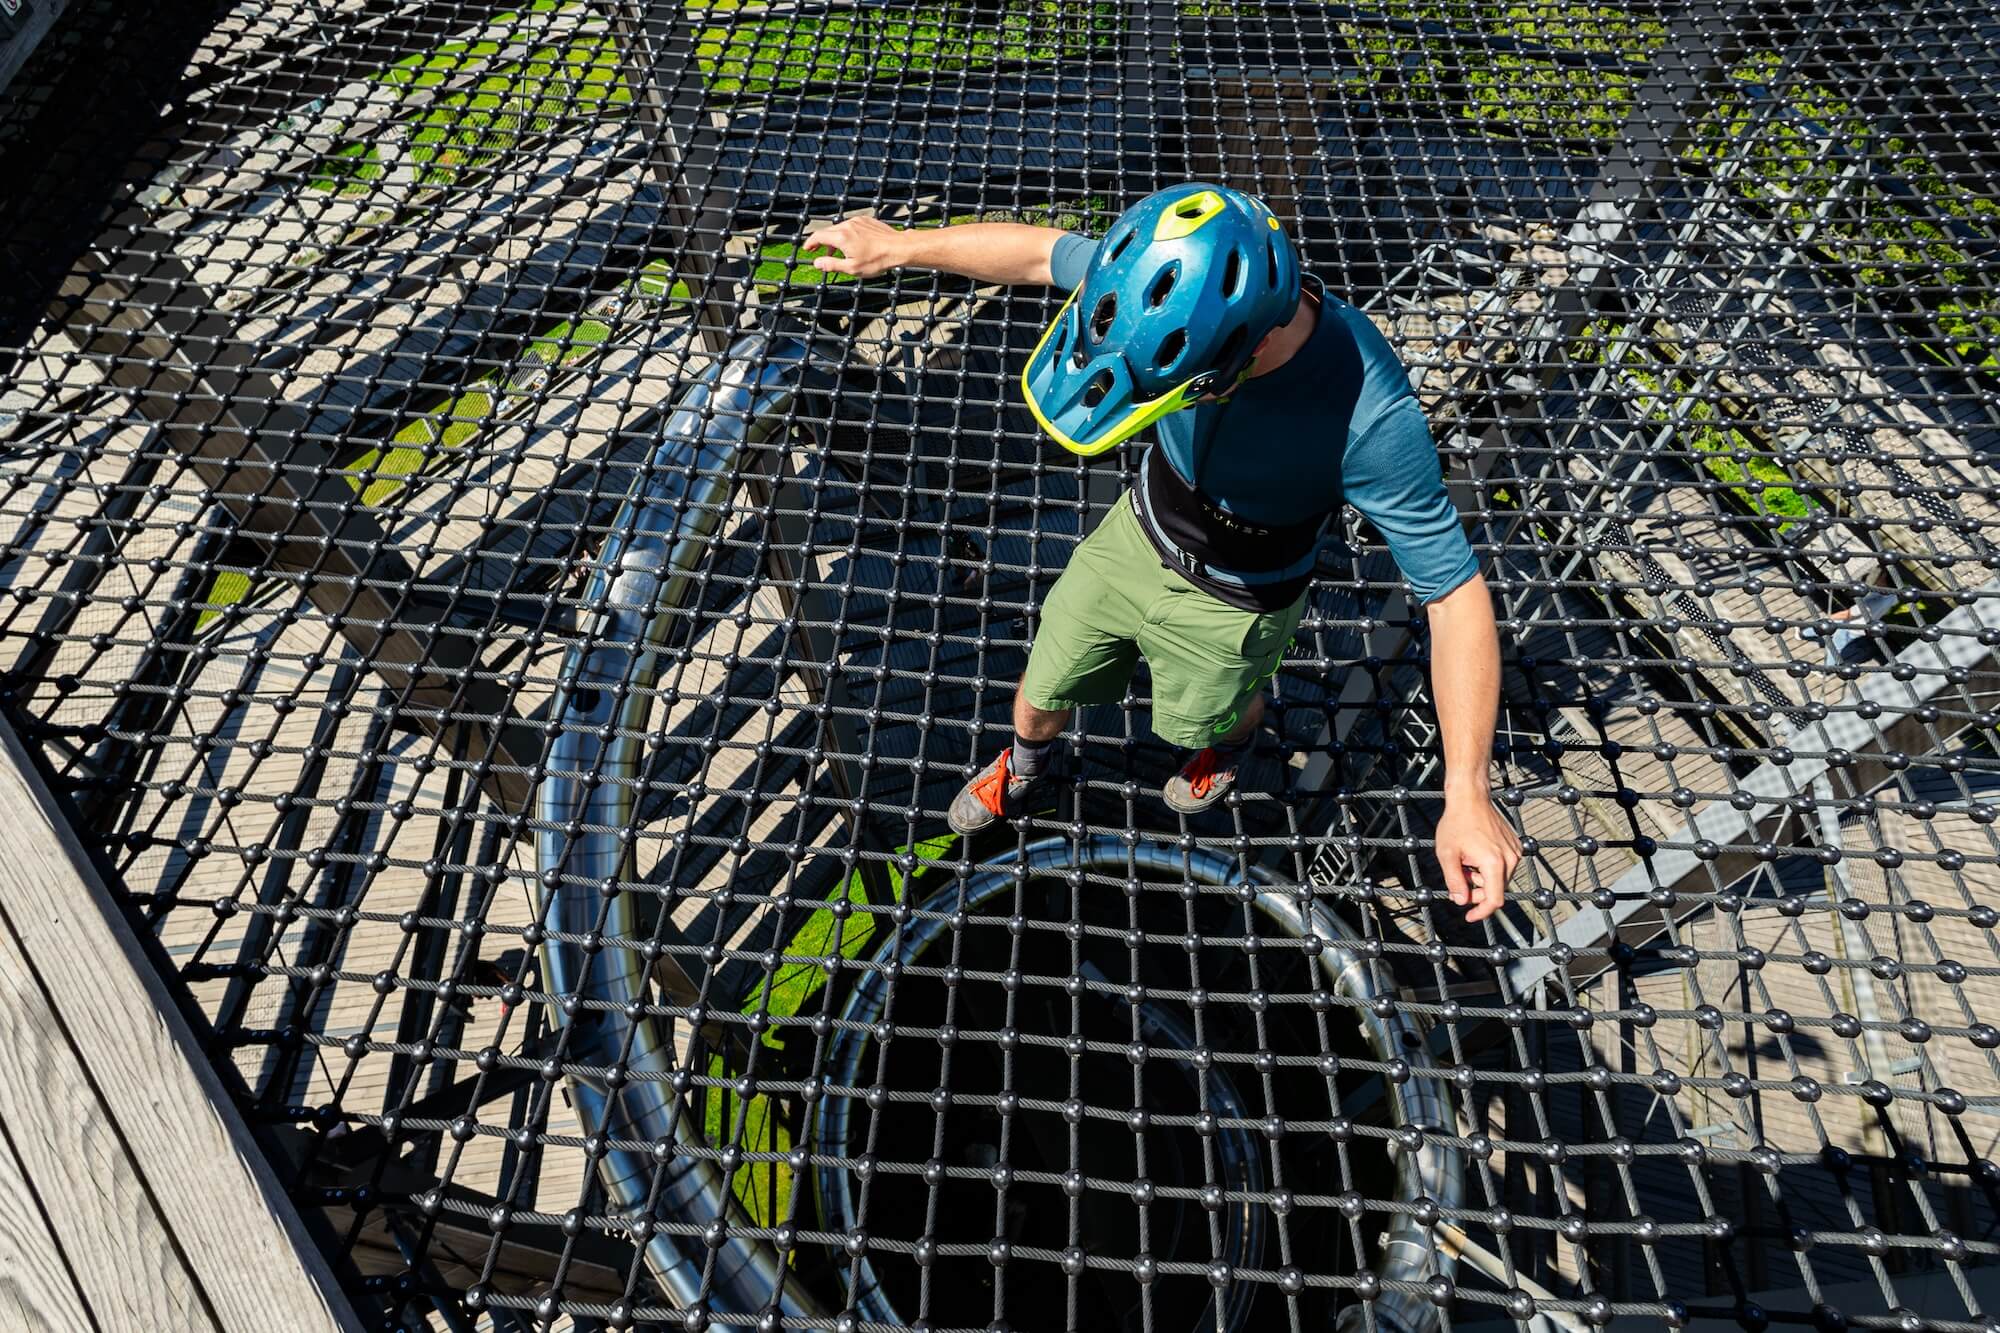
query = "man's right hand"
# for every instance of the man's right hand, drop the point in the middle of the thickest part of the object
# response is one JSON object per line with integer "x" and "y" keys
{"x": 867, "y": 246}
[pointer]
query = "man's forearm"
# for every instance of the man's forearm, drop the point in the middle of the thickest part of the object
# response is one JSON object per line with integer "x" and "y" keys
{"x": 1009, "y": 252}
{"x": 1465, "y": 679}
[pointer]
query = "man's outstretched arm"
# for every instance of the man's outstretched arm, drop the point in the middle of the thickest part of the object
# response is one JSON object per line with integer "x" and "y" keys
{"x": 1476, "y": 847}
{"x": 1008, "y": 252}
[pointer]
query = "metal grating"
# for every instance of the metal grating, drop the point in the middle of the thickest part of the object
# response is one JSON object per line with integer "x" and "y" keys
{"x": 511, "y": 628}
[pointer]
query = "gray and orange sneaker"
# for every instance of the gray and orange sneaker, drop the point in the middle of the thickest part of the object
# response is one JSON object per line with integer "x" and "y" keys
{"x": 1203, "y": 780}
{"x": 997, "y": 793}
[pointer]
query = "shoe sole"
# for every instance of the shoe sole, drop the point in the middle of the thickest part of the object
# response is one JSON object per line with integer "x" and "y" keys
{"x": 964, "y": 831}
{"x": 1195, "y": 807}
{"x": 1030, "y": 799}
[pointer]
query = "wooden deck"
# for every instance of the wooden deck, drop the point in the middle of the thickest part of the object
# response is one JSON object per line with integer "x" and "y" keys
{"x": 131, "y": 1194}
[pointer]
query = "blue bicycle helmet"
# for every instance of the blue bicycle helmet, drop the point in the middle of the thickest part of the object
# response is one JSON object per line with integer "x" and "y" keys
{"x": 1181, "y": 290}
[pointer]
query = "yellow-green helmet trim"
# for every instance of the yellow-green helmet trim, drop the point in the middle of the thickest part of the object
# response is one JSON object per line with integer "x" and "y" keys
{"x": 1141, "y": 416}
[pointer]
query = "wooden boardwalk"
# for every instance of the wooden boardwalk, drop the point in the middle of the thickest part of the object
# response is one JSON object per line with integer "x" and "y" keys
{"x": 132, "y": 1196}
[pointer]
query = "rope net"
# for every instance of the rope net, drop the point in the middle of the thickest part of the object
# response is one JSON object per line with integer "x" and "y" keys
{"x": 510, "y": 628}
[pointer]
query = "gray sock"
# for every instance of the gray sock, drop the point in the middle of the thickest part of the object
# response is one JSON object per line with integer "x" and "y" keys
{"x": 1030, "y": 759}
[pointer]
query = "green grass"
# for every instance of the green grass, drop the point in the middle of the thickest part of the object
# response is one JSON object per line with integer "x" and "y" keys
{"x": 1090, "y": 214}
{"x": 468, "y": 130}
{"x": 230, "y": 587}
{"x": 1560, "y": 25}
{"x": 779, "y": 266}
{"x": 569, "y": 341}
{"x": 1507, "y": 93}
{"x": 1753, "y": 477}
{"x": 766, "y": 1193}
{"x": 765, "y": 1188}
{"x": 1889, "y": 245}
{"x": 381, "y": 472}
{"x": 789, "y": 990}
{"x": 652, "y": 282}
{"x": 351, "y": 169}
{"x": 783, "y": 54}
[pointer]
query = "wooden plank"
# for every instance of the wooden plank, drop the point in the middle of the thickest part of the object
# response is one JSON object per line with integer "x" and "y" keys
{"x": 134, "y": 1120}
{"x": 36, "y": 1289}
{"x": 93, "y": 1191}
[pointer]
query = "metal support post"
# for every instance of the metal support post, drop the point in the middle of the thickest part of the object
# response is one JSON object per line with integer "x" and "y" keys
{"x": 671, "y": 99}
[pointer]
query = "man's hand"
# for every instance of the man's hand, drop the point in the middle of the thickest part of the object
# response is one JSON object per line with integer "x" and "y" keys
{"x": 867, "y": 247}
{"x": 1478, "y": 851}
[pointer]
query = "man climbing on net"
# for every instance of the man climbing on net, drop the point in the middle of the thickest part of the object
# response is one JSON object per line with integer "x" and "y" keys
{"x": 1273, "y": 403}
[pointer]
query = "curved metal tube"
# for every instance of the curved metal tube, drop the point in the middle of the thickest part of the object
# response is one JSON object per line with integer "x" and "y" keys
{"x": 663, "y": 533}
{"x": 1237, "y": 1148}
{"x": 1433, "y": 1171}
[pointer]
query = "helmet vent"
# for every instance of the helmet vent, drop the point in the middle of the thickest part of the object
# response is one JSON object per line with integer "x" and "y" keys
{"x": 1271, "y": 256}
{"x": 1232, "y": 273}
{"x": 1163, "y": 284}
{"x": 1171, "y": 348}
{"x": 1095, "y": 391}
{"x": 1190, "y": 207}
{"x": 1118, "y": 246}
{"x": 1232, "y": 347}
{"x": 1102, "y": 318}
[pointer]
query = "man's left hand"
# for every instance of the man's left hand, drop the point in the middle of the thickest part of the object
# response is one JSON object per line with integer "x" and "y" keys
{"x": 1478, "y": 851}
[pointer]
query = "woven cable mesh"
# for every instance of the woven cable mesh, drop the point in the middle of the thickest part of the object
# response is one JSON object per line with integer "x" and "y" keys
{"x": 510, "y": 628}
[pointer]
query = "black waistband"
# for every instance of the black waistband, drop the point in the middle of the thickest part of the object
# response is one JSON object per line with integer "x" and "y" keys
{"x": 1206, "y": 532}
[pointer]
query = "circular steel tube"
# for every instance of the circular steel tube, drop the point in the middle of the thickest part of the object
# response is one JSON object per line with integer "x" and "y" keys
{"x": 662, "y": 535}
{"x": 1242, "y": 1163}
{"x": 1433, "y": 1171}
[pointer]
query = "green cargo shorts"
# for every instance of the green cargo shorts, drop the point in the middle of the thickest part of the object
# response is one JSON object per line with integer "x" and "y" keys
{"x": 1116, "y": 602}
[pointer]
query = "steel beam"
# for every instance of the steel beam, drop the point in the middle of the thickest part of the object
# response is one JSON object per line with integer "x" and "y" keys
{"x": 22, "y": 28}
{"x": 811, "y": 609}
{"x": 530, "y": 1255}
{"x": 135, "y": 306}
{"x": 1894, "y": 715}
{"x": 670, "y": 98}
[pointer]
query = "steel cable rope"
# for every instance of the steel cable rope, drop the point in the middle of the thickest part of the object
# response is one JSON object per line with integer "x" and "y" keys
{"x": 1444, "y": 177}
{"x": 434, "y": 1203}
